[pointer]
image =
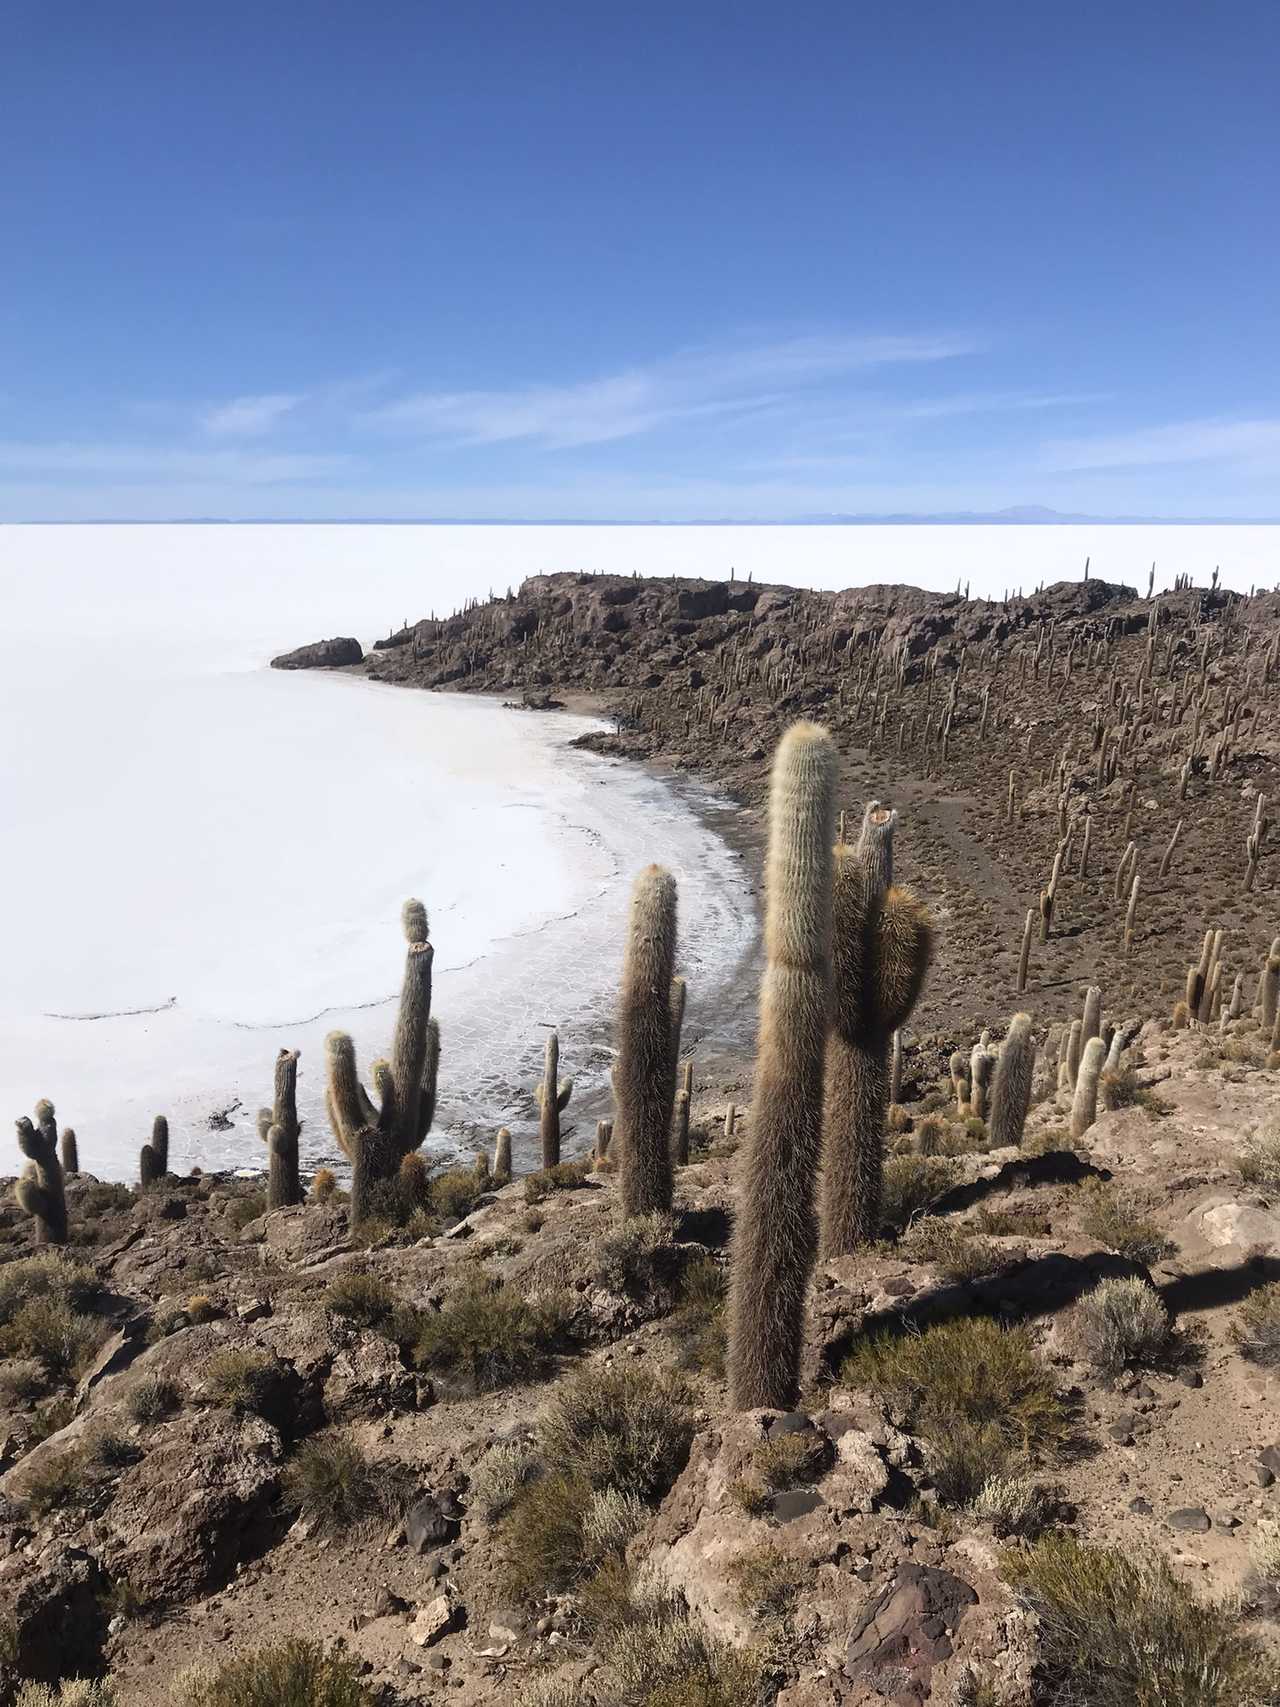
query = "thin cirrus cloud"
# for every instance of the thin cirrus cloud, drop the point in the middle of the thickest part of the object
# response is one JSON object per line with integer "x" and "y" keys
{"x": 144, "y": 463}
{"x": 250, "y": 417}
{"x": 1253, "y": 443}
{"x": 689, "y": 386}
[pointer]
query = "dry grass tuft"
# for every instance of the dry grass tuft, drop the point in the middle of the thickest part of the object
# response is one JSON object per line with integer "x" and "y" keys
{"x": 1115, "y": 1218}
{"x": 1122, "y": 1323}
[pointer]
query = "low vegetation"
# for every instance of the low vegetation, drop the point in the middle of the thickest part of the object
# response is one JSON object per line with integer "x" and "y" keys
{"x": 767, "y": 1581}
{"x": 957, "y": 1253}
{"x": 1121, "y": 1324}
{"x": 1259, "y": 1163}
{"x": 637, "y": 1258}
{"x": 492, "y": 1335}
{"x": 241, "y": 1379}
{"x": 73, "y": 1692}
{"x": 1121, "y": 1631}
{"x": 294, "y": 1674}
{"x": 1117, "y": 1220}
{"x": 364, "y": 1300}
{"x": 976, "y": 1393}
{"x": 697, "y": 1326}
{"x": 331, "y": 1484}
{"x": 1256, "y": 1326}
{"x": 152, "y": 1398}
{"x": 911, "y": 1183}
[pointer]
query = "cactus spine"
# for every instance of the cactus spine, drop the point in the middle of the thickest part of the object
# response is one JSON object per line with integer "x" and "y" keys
{"x": 774, "y": 1234}
{"x": 1084, "y": 1105}
{"x": 553, "y": 1098}
{"x": 644, "y": 1078}
{"x": 40, "y": 1190}
{"x": 1011, "y": 1086}
{"x": 279, "y": 1125}
{"x": 153, "y": 1162}
{"x": 376, "y": 1136}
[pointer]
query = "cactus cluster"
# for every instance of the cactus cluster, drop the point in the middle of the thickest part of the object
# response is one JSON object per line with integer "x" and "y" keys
{"x": 40, "y": 1189}
{"x": 278, "y": 1128}
{"x": 376, "y": 1135}
{"x": 153, "y": 1159}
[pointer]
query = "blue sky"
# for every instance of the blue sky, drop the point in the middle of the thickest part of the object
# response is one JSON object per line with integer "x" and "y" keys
{"x": 409, "y": 258}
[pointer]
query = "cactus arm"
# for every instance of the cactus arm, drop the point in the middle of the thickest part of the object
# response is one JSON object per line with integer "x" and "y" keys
{"x": 386, "y": 1095}
{"x": 344, "y": 1097}
{"x": 409, "y": 1046}
{"x": 430, "y": 1074}
{"x": 565, "y": 1092}
{"x": 43, "y": 1196}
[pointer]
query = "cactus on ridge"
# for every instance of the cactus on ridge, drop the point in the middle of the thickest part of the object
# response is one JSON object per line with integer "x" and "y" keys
{"x": 278, "y": 1126}
{"x": 775, "y": 1233}
{"x": 644, "y": 1074}
{"x": 70, "y": 1151}
{"x": 1084, "y": 1104}
{"x": 153, "y": 1160}
{"x": 1011, "y": 1084}
{"x": 553, "y": 1095}
{"x": 40, "y": 1190}
{"x": 501, "y": 1169}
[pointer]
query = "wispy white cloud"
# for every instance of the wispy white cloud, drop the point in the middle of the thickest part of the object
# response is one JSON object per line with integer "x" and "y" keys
{"x": 688, "y": 386}
{"x": 55, "y": 462}
{"x": 995, "y": 402}
{"x": 1251, "y": 443}
{"x": 250, "y": 417}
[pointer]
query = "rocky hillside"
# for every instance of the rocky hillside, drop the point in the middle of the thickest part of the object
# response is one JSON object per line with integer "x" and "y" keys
{"x": 488, "y": 1456}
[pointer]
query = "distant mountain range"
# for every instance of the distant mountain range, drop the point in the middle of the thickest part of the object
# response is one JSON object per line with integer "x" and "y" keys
{"x": 1016, "y": 515}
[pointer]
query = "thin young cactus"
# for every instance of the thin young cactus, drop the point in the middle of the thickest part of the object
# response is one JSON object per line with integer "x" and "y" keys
{"x": 278, "y": 1126}
{"x": 1167, "y": 859}
{"x": 775, "y": 1234}
{"x": 959, "y": 1069}
{"x": 40, "y": 1190}
{"x": 153, "y": 1161}
{"x": 1131, "y": 913}
{"x": 1084, "y": 1104}
{"x": 882, "y": 946}
{"x": 981, "y": 1066}
{"x": 645, "y": 1070}
{"x": 1011, "y": 1084}
{"x": 604, "y": 1137}
{"x": 1024, "y": 956}
{"x": 679, "y": 994}
{"x": 502, "y": 1156}
{"x": 70, "y": 1151}
{"x": 553, "y": 1095}
{"x": 1091, "y": 1020}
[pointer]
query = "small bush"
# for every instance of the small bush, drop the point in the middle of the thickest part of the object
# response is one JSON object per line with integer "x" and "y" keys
{"x": 609, "y": 1522}
{"x": 49, "y": 1330}
{"x": 248, "y": 1207}
{"x": 22, "y": 1379}
{"x": 1263, "y": 1585}
{"x": 551, "y": 1692}
{"x": 73, "y": 1692}
{"x": 565, "y": 1176}
{"x": 331, "y": 1484}
{"x": 1015, "y": 1505}
{"x": 951, "y": 1249}
{"x": 153, "y": 1398}
{"x": 636, "y": 1258}
{"x": 1115, "y": 1219}
{"x": 200, "y": 1308}
{"x": 767, "y": 1582}
{"x": 620, "y": 1428}
{"x": 324, "y": 1185}
{"x": 294, "y": 1674}
{"x": 243, "y": 1380}
{"x": 1117, "y": 1631}
{"x": 362, "y": 1299}
{"x": 665, "y": 1658}
{"x": 105, "y": 1197}
{"x": 977, "y": 1393}
{"x": 543, "y": 1540}
{"x": 1260, "y": 1164}
{"x": 911, "y": 1183}
{"x": 492, "y": 1334}
{"x": 501, "y": 1475}
{"x": 49, "y": 1275}
{"x": 1255, "y": 1328}
{"x": 897, "y": 1119}
{"x": 107, "y": 1451}
{"x": 1013, "y": 1223}
{"x": 454, "y": 1193}
{"x": 698, "y": 1324}
{"x": 1121, "y": 1323}
{"x": 54, "y": 1480}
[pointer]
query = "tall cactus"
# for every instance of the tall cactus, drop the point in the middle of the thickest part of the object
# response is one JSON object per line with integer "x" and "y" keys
{"x": 153, "y": 1160}
{"x": 882, "y": 942}
{"x": 1011, "y": 1085}
{"x": 774, "y": 1234}
{"x": 502, "y": 1156}
{"x": 553, "y": 1095}
{"x": 1084, "y": 1104}
{"x": 377, "y": 1135}
{"x": 644, "y": 1077}
{"x": 278, "y": 1127}
{"x": 1091, "y": 1022}
{"x": 981, "y": 1067}
{"x": 40, "y": 1190}
{"x": 70, "y": 1150}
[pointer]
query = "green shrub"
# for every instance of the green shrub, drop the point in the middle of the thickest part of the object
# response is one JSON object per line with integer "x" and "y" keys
{"x": 501, "y": 1475}
{"x": 542, "y": 1538}
{"x": 767, "y": 1581}
{"x": 49, "y": 1275}
{"x": 911, "y": 1183}
{"x": 1255, "y": 1327}
{"x": 1115, "y": 1219}
{"x": 491, "y": 1334}
{"x": 363, "y": 1299}
{"x": 1013, "y": 1223}
{"x": 54, "y": 1480}
{"x": 951, "y": 1248}
{"x": 637, "y": 1258}
{"x": 620, "y": 1428}
{"x": 243, "y": 1380}
{"x": 454, "y": 1193}
{"x": 1121, "y": 1323}
{"x": 49, "y": 1330}
{"x": 697, "y": 1326}
{"x": 331, "y": 1484}
{"x": 565, "y": 1176}
{"x": 153, "y": 1397}
{"x": 976, "y": 1393}
{"x": 1118, "y": 1631}
{"x": 665, "y": 1658}
{"x": 294, "y": 1674}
